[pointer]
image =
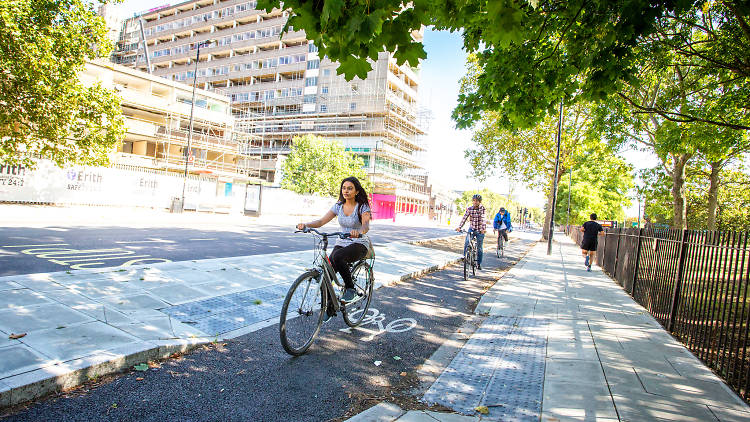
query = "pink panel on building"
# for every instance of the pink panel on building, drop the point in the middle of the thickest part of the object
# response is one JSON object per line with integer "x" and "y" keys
{"x": 383, "y": 206}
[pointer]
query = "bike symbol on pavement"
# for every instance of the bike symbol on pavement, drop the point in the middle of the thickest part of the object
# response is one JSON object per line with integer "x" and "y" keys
{"x": 374, "y": 317}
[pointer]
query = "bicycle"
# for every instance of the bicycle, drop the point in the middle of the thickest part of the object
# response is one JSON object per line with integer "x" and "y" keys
{"x": 470, "y": 256}
{"x": 307, "y": 299}
{"x": 500, "y": 244}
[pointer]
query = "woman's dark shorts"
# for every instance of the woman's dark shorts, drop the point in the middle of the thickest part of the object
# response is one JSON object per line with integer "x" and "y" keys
{"x": 588, "y": 244}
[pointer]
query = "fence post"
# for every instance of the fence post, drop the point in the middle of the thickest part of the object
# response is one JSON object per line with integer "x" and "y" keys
{"x": 637, "y": 263}
{"x": 617, "y": 252}
{"x": 678, "y": 281}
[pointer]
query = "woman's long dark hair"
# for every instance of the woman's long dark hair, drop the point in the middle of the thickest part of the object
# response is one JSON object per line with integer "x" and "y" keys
{"x": 360, "y": 198}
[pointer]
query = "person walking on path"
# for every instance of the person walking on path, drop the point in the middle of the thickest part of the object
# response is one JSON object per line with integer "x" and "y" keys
{"x": 354, "y": 214}
{"x": 502, "y": 224}
{"x": 477, "y": 225}
{"x": 591, "y": 230}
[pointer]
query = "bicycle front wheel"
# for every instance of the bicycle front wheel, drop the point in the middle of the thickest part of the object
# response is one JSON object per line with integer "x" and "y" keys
{"x": 355, "y": 312}
{"x": 473, "y": 263}
{"x": 302, "y": 313}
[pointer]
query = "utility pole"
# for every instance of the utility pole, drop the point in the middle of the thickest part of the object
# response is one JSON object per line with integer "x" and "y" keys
{"x": 554, "y": 183}
{"x": 190, "y": 126}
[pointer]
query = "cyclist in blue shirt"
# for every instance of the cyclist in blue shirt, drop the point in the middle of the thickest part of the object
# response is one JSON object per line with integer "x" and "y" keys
{"x": 502, "y": 223}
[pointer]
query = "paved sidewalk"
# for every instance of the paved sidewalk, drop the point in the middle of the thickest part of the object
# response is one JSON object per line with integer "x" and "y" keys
{"x": 85, "y": 323}
{"x": 561, "y": 344}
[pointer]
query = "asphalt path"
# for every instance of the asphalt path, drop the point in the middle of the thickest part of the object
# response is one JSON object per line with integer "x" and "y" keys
{"x": 251, "y": 378}
{"x": 29, "y": 250}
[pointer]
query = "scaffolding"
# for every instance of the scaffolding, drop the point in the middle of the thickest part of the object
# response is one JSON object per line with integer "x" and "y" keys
{"x": 158, "y": 138}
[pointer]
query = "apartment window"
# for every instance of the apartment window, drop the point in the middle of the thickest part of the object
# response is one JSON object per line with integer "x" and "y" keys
{"x": 323, "y": 108}
{"x": 309, "y": 99}
{"x": 313, "y": 64}
{"x": 312, "y": 48}
{"x": 271, "y": 62}
{"x": 326, "y": 72}
{"x": 299, "y": 58}
{"x": 324, "y": 89}
{"x": 284, "y": 60}
{"x": 313, "y": 81}
{"x": 353, "y": 106}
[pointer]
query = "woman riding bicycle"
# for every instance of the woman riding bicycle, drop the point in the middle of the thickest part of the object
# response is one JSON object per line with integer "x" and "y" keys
{"x": 354, "y": 214}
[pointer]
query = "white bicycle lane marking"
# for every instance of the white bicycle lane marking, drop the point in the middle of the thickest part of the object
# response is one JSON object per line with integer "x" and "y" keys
{"x": 374, "y": 317}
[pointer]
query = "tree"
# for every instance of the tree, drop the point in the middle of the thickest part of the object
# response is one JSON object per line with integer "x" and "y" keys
{"x": 45, "y": 111}
{"x": 600, "y": 183}
{"x": 733, "y": 198}
{"x": 317, "y": 165}
{"x": 492, "y": 201}
{"x": 529, "y": 155}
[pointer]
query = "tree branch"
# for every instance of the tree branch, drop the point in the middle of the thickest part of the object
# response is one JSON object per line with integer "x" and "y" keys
{"x": 680, "y": 117}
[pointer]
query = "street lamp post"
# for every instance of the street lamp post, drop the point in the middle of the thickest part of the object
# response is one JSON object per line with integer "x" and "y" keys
{"x": 570, "y": 184}
{"x": 192, "y": 110}
{"x": 554, "y": 184}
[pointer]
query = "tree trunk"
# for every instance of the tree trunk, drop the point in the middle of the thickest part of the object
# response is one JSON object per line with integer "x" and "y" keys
{"x": 713, "y": 194}
{"x": 678, "y": 190}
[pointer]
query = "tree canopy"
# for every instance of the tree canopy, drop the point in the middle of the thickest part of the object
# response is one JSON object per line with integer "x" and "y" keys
{"x": 45, "y": 111}
{"x": 317, "y": 166}
{"x": 531, "y": 53}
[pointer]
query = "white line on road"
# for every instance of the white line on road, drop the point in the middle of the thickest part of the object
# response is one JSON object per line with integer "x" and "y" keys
{"x": 152, "y": 240}
{"x": 34, "y": 246}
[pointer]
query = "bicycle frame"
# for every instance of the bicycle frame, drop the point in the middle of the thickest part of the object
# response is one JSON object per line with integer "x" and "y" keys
{"x": 327, "y": 273}
{"x": 325, "y": 269}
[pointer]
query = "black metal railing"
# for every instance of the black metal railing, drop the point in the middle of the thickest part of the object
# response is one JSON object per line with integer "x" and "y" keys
{"x": 695, "y": 283}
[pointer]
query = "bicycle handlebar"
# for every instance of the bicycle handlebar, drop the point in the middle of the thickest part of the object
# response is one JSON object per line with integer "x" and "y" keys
{"x": 341, "y": 235}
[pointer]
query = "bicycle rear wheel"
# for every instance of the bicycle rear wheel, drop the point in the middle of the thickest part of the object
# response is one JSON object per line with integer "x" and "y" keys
{"x": 467, "y": 263}
{"x": 355, "y": 312}
{"x": 302, "y": 313}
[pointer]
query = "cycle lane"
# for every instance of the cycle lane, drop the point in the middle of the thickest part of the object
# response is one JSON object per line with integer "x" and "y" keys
{"x": 346, "y": 370}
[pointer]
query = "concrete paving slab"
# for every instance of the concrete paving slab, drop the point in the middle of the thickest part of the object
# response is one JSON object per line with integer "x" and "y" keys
{"x": 573, "y": 401}
{"x": 451, "y": 417}
{"x": 382, "y": 412}
{"x": 102, "y": 288}
{"x": 136, "y": 302}
{"x": 44, "y": 282}
{"x": 19, "y": 358}
{"x": 177, "y": 293}
{"x": 648, "y": 407}
{"x": 40, "y": 317}
{"x": 9, "y": 285}
{"x": 730, "y": 415}
{"x": 622, "y": 379}
{"x": 688, "y": 389}
{"x": 74, "y": 342}
{"x": 428, "y": 416}
{"x": 566, "y": 370}
{"x": 21, "y": 298}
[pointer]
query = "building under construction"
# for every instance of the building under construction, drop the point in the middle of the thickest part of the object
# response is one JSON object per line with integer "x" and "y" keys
{"x": 280, "y": 88}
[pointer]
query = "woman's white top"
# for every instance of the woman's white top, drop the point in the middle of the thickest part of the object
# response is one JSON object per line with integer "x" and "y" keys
{"x": 350, "y": 222}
